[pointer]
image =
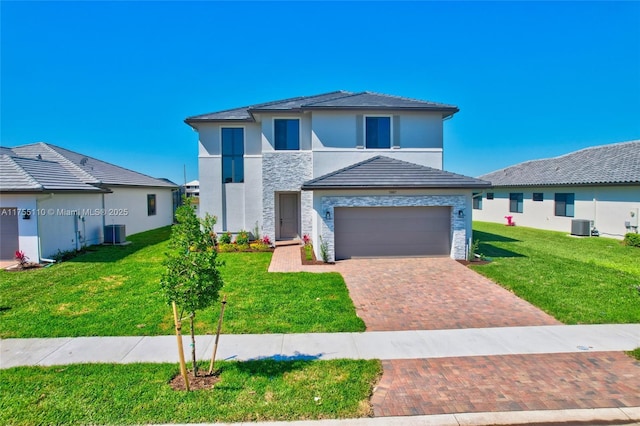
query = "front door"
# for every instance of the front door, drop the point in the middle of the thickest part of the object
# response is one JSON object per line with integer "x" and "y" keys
{"x": 288, "y": 216}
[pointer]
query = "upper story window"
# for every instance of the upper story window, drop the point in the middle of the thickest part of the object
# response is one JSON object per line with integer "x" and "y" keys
{"x": 564, "y": 204}
{"x": 538, "y": 196}
{"x": 515, "y": 202}
{"x": 286, "y": 132}
{"x": 232, "y": 154}
{"x": 489, "y": 195}
{"x": 378, "y": 132}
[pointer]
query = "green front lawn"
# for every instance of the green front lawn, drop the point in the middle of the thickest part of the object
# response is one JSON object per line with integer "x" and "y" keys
{"x": 577, "y": 280}
{"x": 114, "y": 291}
{"x": 140, "y": 393}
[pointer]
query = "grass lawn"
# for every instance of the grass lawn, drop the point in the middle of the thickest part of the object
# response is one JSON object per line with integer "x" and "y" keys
{"x": 115, "y": 291}
{"x": 577, "y": 280}
{"x": 140, "y": 393}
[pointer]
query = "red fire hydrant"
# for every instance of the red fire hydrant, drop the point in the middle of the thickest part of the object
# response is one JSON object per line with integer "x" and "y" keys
{"x": 510, "y": 221}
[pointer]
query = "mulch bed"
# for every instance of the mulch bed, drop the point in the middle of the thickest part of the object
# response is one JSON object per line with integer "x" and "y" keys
{"x": 474, "y": 262}
{"x": 313, "y": 260}
{"x": 26, "y": 266}
{"x": 202, "y": 381}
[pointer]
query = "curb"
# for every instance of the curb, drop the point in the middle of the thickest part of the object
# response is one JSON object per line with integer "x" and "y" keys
{"x": 595, "y": 416}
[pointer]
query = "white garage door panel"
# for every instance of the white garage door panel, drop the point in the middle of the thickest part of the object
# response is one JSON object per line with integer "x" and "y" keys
{"x": 392, "y": 231}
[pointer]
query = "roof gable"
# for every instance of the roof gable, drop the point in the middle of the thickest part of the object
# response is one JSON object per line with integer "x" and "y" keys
{"x": 607, "y": 164}
{"x": 382, "y": 172}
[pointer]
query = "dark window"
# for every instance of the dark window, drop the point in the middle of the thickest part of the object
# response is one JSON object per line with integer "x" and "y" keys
{"x": 515, "y": 202}
{"x": 151, "y": 204}
{"x": 477, "y": 201}
{"x": 232, "y": 154}
{"x": 489, "y": 195}
{"x": 538, "y": 196}
{"x": 564, "y": 204}
{"x": 286, "y": 134}
{"x": 378, "y": 132}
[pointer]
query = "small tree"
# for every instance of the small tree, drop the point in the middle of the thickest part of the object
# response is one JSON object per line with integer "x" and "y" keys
{"x": 191, "y": 279}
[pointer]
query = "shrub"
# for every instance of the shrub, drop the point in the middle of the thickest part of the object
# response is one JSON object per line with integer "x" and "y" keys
{"x": 473, "y": 250}
{"x": 21, "y": 257}
{"x": 256, "y": 231}
{"x": 242, "y": 238}
{"x": 632, "y": 240}
{"x": 63, "y": 256}
{"x": 227, "y": 247}
{"x": 306, "y": 239}
{"x": 308, "y": 252}
{"x": 266, "y": 240}
{"x": 225, "y": 238}
{"x": 324, "y": 251}
{"x": 243, "y": 247}
{"x": 259, "y": 246}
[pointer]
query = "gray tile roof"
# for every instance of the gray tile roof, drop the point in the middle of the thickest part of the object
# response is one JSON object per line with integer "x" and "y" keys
{"x": 617, "y": 163}
{"x": 382, "y": 172}
{"x": 332, "y": 100}
{"x": 41, "y": 166}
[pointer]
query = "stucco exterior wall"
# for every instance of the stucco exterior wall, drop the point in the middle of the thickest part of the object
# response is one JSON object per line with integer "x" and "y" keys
{"x": 128, "y": 206}
{"x": 237, "y": 206}
{"x": 68, "y": 222}
{"x": 327, "y": 143}
{"x": 608, "y": 206}
{"x": 337, "y": 129}
{"x": 210, "y": 176}
{"x": 327, "y": 201}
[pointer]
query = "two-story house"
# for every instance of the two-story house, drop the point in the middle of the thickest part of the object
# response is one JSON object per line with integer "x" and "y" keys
{"x": 359, "y": 172}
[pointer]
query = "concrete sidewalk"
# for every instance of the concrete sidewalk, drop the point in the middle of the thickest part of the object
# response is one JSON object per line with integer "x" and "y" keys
{"x": 384, "y": 345}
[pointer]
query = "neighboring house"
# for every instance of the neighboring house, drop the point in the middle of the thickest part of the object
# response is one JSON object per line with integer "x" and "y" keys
{"x": 54, "y": 199}
{"x": 192, "y": 189}
{"x": 599, "y": 184}
{"x": 359, "y": 172}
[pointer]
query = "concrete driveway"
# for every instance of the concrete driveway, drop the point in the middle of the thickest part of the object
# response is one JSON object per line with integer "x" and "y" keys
{"x": 432, "y": 294}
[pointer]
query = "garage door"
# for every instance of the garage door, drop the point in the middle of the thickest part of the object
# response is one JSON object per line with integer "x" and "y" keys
{"x": 392, "y": 231}
{"x": 8, "y": 233}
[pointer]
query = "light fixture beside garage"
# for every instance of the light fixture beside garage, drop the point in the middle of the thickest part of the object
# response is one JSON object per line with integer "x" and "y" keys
{"x": 327, "y": 214}
{"x": 461, "y": 213}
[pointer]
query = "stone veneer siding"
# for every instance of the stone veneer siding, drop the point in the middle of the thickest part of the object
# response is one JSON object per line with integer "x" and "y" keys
{"x": 457, "y": 202}
{"x": 286, "y": 172}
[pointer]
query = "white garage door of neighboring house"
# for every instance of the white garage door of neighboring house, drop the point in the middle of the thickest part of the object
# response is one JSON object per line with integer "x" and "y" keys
{"x": 9, "y": 243}
{"x": 392, "y": 231}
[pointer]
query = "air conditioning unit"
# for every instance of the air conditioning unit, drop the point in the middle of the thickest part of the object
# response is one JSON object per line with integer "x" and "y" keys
{"x": 581, "y": 227}
{"x": 114, "y": 234}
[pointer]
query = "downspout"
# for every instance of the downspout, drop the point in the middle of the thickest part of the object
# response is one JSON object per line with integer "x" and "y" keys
{"x": 104, "y": 220}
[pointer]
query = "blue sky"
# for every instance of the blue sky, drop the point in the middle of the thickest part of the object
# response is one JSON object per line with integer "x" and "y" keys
{"x": 115, "y": 80}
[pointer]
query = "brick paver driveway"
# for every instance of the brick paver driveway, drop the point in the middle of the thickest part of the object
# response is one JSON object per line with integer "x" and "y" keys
{"x": 432, "y": 294}
{"x": 440, "y": 293}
